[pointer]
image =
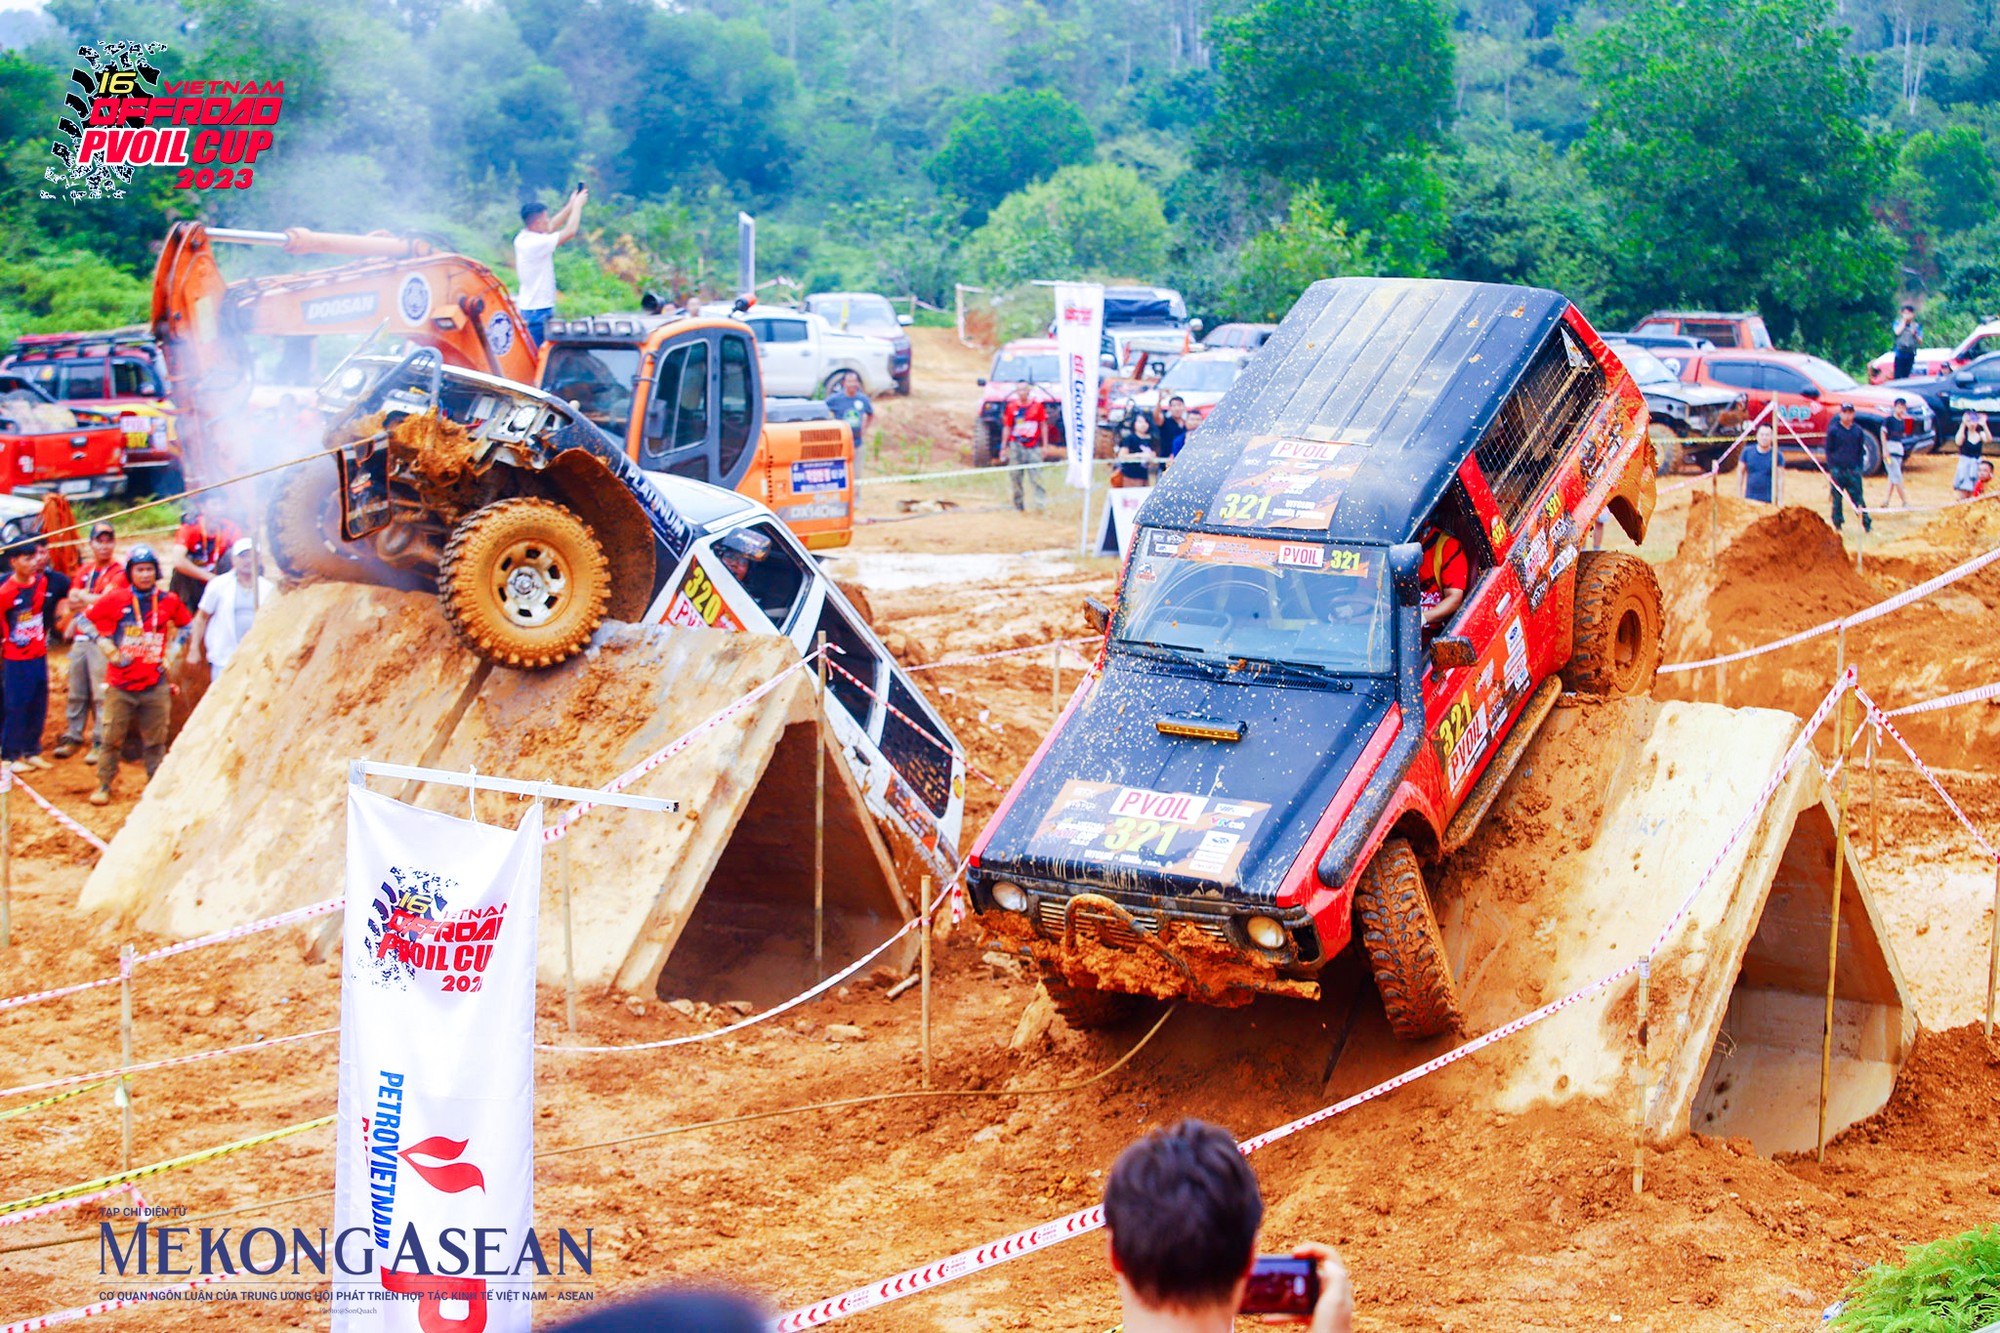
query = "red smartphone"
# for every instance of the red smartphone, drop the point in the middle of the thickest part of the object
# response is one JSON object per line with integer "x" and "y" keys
{"x": 1280, "y": 1284}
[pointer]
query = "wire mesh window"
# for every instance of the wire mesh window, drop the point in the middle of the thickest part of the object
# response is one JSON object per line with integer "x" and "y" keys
{"x": 1533, "y": 429}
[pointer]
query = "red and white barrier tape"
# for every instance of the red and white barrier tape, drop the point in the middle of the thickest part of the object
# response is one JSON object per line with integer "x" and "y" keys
{"x": 917, "y": 726}
{"x": 1084, "y": 1221}
{"x": 63, "y": 1205}
{"x": 561, "y": 827}
{"x": 146, "y": 1297}
{"x": 1861, "y": 617}
{"x": 1882, "y": 720}
{"x": 262, "y": 1043}
{"x": 1811, "y": 457}
{"x": 1971, "y": 696}
{"x": 1004, "y": 652}
{"x": 35, "y": 997}
{"x": 14, "y": 779}
{"x": 822, "y": 988}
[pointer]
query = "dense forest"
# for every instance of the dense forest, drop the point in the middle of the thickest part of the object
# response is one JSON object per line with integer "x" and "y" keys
{"x": 1812, "y": 159}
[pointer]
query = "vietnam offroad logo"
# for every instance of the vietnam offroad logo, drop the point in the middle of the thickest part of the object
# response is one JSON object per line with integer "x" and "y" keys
{"x": 119, "y": 114}
{"x": 412, "y": 930}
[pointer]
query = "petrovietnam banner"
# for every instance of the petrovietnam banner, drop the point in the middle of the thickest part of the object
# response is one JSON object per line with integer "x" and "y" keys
{"x": 1079, "y": 332}
{"x": 435, "y": 1174}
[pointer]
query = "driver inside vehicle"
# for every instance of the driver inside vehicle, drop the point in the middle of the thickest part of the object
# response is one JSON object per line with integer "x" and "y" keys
{"x": 1443, "y": 577}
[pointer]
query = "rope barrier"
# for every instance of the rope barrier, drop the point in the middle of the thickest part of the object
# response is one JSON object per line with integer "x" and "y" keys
{"x": 113, "y": 1075}
{"x": 191, "y": 491}
{"x": 9, "y": 778}
{"x": 1972, "y": 696}
{"x": 1004, "y": 652}
{"x": 67, "y": 1192}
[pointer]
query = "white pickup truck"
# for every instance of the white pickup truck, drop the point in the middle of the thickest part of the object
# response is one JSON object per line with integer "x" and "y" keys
{"x": 800, "y": 353}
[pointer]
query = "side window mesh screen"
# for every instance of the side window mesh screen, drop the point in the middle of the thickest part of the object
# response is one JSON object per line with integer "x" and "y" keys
{"x": 1532, "y": 430}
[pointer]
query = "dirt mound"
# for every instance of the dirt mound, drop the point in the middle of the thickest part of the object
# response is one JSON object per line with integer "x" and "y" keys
{"x": 1776, "y": 573}
{"x": 1949, "y": 1094}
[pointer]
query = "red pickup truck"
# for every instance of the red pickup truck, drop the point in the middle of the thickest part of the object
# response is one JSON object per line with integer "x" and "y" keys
{"x": 45, "y": 446}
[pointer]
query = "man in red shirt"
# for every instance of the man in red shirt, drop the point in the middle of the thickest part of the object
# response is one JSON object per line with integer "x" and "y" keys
{"x": 205, "y": 537}
{"x": 1443, "y": 577}
{"x": 99, "y": 575}
{"x": 1024, "y": 429}
{"x": 28, "y": 598}
{"x": 136, "y": 622}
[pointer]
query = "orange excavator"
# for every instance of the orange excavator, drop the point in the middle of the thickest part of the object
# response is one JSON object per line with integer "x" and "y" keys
{"x": 680, "y": 395}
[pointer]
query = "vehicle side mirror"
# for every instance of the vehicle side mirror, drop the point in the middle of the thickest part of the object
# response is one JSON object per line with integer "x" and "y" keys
{"x": 1449, "y": 652}
{"x": 905, "y": 320}
{"x": 1108, "y": 361}
{"x": 1963, "y": 379}
{"x": 1096, "y": 615}
{"x": 981, "y": 381}
{"x": 656, "y": 419}
{"x": 1810, "y": 391}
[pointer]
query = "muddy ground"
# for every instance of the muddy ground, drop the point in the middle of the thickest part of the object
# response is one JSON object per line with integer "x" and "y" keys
{"x": 1448, "y": 1219}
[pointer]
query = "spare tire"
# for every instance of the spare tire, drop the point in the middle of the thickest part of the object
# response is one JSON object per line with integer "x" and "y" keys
{"x": 524, "y": 582}
{"x": 1618, "y": 618}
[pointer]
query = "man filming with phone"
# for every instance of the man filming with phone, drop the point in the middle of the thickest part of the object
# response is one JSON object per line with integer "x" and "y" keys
{"x": 1183, "y": 1210}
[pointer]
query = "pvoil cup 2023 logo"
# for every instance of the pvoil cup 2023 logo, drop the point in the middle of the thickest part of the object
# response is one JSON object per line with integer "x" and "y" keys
{"x": 120, "y": 114}
{"x": 412, "y": 929}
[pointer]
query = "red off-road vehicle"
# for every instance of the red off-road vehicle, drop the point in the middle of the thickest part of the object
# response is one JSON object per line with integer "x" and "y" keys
{"x": 1271, "y": 745}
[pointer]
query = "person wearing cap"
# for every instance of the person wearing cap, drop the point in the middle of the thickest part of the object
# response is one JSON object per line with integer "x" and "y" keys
{"x": 228, "y": 606}
{"x": 97, "y": 576}
{"x": 1845, "y": 449}
{"x": 28, "y": 600}
{"x": 136, "y": 621}
{"x": 205, "y": 537}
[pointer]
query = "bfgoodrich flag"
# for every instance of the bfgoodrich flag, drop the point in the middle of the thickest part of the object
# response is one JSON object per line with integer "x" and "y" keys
{"x": 1079, "y": 331}
{"x": 435, "y": 1175}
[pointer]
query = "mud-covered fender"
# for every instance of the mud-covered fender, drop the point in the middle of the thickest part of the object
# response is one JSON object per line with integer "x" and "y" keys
{"x": 1631, "y": 501}
{"x": 580, "y": 480}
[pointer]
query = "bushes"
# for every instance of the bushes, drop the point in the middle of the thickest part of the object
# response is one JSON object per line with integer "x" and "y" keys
{"x": 67, "y": 290}
{"x": 1948, "y": 1286}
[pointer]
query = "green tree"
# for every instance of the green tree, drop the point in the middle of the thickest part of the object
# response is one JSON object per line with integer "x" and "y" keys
{"x": 1727, "y": 142}
{"x": 1096, "y": 220}
{"x": 719, "y": 105}
{"x": 1353, "y": 94}
{"x": 1308, "y": 244}
{"x": 1000, "y": 144}
{"x": 1949, "y": 177}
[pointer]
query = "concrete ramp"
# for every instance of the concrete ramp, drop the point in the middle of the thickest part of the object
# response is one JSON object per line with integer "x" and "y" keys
{"x": 245, "y": 817}
{"x": 1614, "y": 814}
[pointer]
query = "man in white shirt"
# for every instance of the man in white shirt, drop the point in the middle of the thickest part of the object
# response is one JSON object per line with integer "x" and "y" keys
{"x": 228, "y": 607}
{"x": 535, "y": 258}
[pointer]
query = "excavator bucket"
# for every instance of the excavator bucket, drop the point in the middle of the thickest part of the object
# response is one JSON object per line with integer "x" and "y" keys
{"x": 1612, "y": 817}
{"x": 244, "y": 818}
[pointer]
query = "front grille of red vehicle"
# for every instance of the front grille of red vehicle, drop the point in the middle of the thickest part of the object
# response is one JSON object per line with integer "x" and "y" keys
{"x": 1049, "y": 911}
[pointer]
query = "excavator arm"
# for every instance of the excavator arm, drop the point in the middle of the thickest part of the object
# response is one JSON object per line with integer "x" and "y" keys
{"x": 399, "y": 284}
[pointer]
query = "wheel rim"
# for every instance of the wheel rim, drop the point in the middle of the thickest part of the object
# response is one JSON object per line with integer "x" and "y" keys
{"x": 530, "y": 584}
{"x": 1627, "y": 643}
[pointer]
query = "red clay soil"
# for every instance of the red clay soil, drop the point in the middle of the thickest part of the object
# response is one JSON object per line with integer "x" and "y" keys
{"x": 1779, "y": 572}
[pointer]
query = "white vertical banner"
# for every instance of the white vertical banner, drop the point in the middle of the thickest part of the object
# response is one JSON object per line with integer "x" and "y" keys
{"x": 1079, "y": 337}
{"x": 434, "y": 1178}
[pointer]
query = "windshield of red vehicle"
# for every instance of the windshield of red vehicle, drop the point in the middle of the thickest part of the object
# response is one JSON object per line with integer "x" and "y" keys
{"x": 1313, "y": 604}
{"x": 598, "y": 380}
{"x": 1827, "y": 375}
{"x": 1040, "y": 367}
{"x": 1189, "y": 376}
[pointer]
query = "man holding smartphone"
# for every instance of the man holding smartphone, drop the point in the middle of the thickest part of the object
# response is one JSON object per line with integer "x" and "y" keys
{"x": 535, "y": 258}
{"x": 1183, "y": 1210}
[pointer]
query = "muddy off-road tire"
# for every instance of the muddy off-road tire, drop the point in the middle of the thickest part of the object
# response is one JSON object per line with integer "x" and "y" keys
{"x": 303, "y": 529}
{"x": 524, "y": 582}
{"x": 1617, "y": 625}
{"x": 1399, "y": 932}
{"x": 1085, "y": 1006}
{"x": 1666, "y": 447}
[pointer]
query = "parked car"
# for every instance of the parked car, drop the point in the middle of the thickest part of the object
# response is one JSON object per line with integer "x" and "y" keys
{"x": 1976, "y": 388}
{"x": 48, "y": 446}
{"x": 1937, "y": 391}
{"x": 1680, "y": 412}
{"x": 870, "y": 314}
{"x": 120, "y": 373}
{"x": 1736, "y": 328}
{"x": 1199, "y": 379}
{"x": 1033, "y": 361}
{"x": 1806, "y": 393}
{"x": 1671, "y": 348}
{"x": 1247, "y": 336}
{"x": 801, "y": 354}
{"x": 1145, "y": 307}
{"x": 1941, "y": 360}
{"x": 1272, "y": 755}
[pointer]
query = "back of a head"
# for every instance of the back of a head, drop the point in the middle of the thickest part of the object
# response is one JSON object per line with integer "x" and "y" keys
{"x": 674, "y": 1312}
{"x": 1183, "y": 1209}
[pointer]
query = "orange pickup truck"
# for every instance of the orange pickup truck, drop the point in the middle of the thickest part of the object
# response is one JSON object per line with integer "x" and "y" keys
{"x": 45, "y": 446}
